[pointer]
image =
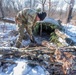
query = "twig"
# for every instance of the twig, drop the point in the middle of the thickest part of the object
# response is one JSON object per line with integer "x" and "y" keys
{"x": 7, "y": 20}
{"x": 7, "y": 61}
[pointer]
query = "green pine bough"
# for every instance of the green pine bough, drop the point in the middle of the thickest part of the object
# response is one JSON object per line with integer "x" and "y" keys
{"x": 48, "y": 27}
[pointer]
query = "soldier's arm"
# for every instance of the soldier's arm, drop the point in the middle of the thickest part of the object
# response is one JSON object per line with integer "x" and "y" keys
{"x": 35, "y": 21}
{"x": 17, "y": 20}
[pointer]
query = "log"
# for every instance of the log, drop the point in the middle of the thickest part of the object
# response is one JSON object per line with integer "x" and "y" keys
{"x": 68, "y": 49}
{"x": 65, "y": 37}
{"x": 24, "y": 51}
{"x": 61, "y": 34}
{"x": 7, "y": 61}
{"x": 47, "y": 44}
{"x": 30, "y": 50}
{"x": 7, "y": 20}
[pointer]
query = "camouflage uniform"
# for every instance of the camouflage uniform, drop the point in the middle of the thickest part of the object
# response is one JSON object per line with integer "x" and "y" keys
{"x": 25, "y": 19}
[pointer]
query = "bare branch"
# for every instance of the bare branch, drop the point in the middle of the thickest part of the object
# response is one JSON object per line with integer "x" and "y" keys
{"x": 44, "y": 1}
{"x": 66, "y": 2}
{"x": 7, "y": 20}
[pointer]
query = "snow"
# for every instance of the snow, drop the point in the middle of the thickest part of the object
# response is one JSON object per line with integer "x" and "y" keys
{"x": 70, "y": 30}
{"x": 5, "y": 28}
{"x": 25, "y": 42}
{"x": 50, "y": 20}
{"x": 9, "y": 18}
{"x": 21, "y": 67}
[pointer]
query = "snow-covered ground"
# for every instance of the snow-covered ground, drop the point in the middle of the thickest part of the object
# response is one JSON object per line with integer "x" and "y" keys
{"x": 70, "y": 30}
{"x": 5, "y": 29}
{"x": 21, "y": 67}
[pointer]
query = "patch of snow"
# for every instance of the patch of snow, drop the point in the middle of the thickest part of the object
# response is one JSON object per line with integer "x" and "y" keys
{"x": 51, "y": 20}
{"x": 5, "y": 29}
{"x": 70, "y": 30}
{"x": 9, "y": 18}
{"x": 22, "y": 68}
{"x": 39, "y": 39}
{"x": 25, "y": 42}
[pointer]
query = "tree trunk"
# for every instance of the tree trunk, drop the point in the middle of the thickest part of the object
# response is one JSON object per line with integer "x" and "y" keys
{"x": 69, "y": 13}
{"x": 43, "y": 5}
{"x": 49, "y": 8}
{"x": 2, "y": 12}
{"x": 43, "y": 8}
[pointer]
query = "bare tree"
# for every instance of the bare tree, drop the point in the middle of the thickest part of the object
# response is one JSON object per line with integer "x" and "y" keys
{"x": 1, "y": 8}
{"x": 43, "y": 4}
{"x": 49, "y": 8}
{"x": 69, "y": 13}
{"x": 33, "y": 3}
{"x": 14, "y": 6}
{"x": 30, "y": 3}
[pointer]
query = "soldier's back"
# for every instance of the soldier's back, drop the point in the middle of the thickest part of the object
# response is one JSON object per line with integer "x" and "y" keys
{"x": 27, "y": 13}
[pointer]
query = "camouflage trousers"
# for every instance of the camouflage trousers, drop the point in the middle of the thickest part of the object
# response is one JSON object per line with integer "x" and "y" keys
{"x": 21, "y": 28}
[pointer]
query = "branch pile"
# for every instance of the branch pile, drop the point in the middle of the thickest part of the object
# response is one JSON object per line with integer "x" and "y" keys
{"x": 57, "y": 61}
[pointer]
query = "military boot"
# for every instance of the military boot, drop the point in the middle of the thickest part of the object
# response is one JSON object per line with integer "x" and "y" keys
{"x": 33, "y": 39}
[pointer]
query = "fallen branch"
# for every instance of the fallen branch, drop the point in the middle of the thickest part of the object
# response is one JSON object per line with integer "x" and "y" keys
{"x": 7, "y": 61}
{"x": 68, "y": 48}
{"x": 61, "y": 34}
{"x": 7, "y": 20}
{"x": 14, "y": 52}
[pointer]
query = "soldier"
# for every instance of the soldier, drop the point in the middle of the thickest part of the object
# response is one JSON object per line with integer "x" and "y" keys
{"x": 27, "y": 19}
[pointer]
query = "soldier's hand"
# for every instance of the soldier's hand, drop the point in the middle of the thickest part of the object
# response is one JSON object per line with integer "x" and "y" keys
{"x": 32, "y": 28}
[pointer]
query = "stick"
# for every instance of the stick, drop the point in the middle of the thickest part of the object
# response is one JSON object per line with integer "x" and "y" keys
{"x": 7, "y": 20}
